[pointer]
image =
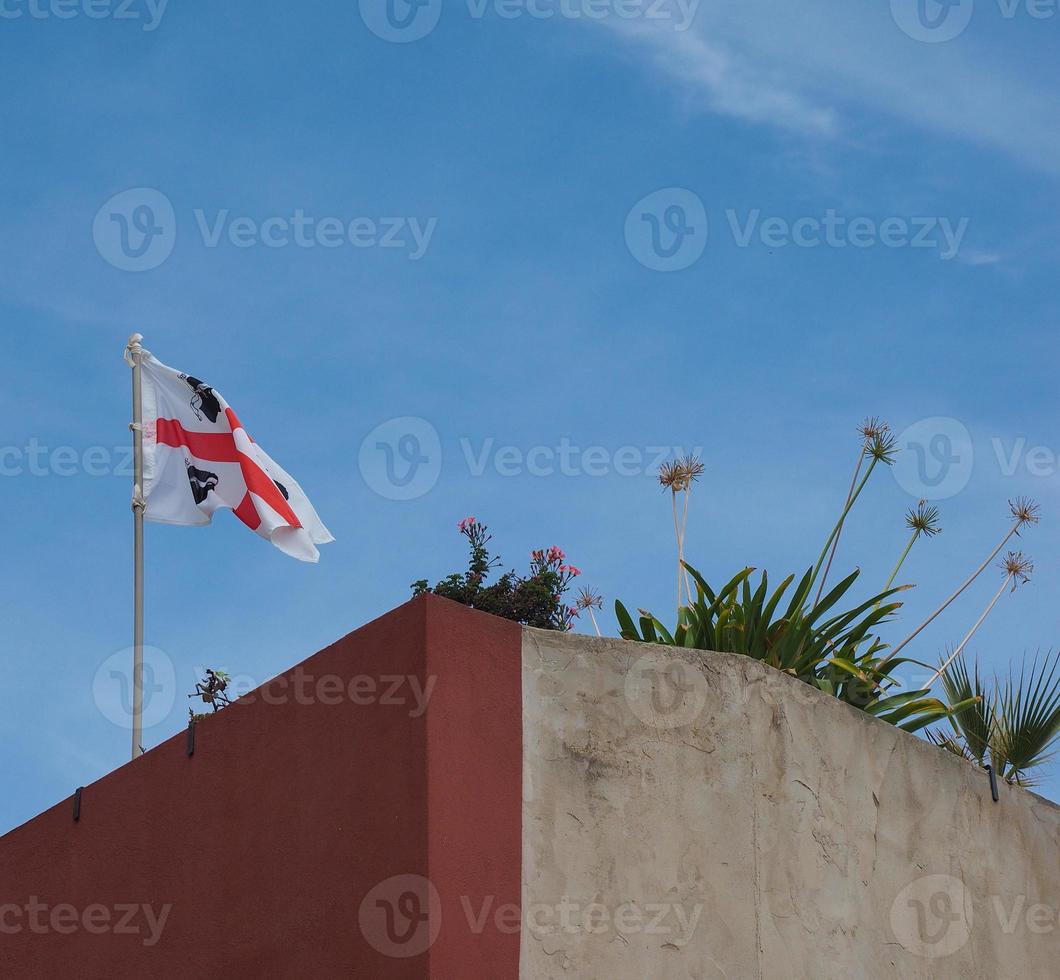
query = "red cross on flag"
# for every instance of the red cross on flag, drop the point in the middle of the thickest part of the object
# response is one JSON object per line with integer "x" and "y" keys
{"x": 198, "y": 458}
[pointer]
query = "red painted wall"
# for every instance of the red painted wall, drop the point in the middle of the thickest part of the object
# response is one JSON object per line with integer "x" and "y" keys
{"x": 277, "y": 844}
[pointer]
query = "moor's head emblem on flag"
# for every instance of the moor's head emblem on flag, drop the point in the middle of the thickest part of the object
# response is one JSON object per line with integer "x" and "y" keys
{"x": 201, "y": 483}
{"x": 203, "y": 401}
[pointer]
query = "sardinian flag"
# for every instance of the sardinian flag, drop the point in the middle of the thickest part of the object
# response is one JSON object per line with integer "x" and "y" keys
{"x": 198, "y": 458}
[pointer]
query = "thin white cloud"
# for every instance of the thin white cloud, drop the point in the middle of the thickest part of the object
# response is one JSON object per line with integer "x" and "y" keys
{"x": 976, "y": 257}
{"x": 815, "y": 66}
{"x": 730, "y": 84}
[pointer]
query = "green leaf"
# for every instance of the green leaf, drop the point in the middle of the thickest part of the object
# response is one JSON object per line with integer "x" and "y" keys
{"x": 628, "y": 631}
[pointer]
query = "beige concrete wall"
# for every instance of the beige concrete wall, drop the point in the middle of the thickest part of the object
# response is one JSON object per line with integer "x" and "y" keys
{"x": 693, "y": 816}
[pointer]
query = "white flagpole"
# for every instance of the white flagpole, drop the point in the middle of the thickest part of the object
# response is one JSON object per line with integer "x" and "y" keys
{"x": 133, "y": 353}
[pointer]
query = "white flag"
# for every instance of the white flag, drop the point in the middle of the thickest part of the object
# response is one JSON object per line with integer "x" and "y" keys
{"x": 198, "y": 458}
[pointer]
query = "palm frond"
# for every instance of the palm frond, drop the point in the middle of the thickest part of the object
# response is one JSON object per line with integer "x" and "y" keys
{"x": 975, "y": 724}
{"x": 951, "y": 743}
{"x": 1028, "y": 719}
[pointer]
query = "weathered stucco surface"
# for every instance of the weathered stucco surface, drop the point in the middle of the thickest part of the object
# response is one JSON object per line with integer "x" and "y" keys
{"x": 701, "y": 816}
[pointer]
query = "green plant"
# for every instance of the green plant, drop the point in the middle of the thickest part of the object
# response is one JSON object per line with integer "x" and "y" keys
{"x": 837, "y": 654}
{"x": 536, "y": 599}
{"x": 212, "y": 690}
{"x": 1015, "y": 724}
{"x": 840, "y": 653}
{"x": 971, "y": 727}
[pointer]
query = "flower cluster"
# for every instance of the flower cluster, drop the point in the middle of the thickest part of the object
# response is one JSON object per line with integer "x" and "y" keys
{"x": 535, "y": 599}
{"x": 551, "y": 568}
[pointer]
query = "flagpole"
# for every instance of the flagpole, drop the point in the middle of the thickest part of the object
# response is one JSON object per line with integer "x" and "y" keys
{"x": 133, "y": 354}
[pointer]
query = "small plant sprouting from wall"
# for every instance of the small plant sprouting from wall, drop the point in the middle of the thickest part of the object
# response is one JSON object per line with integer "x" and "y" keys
{"x": 211, "y": 690}
{"x": 535, "y": 599}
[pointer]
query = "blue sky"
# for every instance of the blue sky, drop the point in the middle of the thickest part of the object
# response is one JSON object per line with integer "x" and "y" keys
{"x": 503, "y": 176}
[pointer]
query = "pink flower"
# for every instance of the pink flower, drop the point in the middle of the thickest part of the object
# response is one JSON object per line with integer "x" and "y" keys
{"x": 555, "y": 554}
{"x": 571, "y": 570}
{"x": 465, "y": 524}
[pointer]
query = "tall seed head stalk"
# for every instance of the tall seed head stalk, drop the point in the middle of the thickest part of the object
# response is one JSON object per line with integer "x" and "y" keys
{"x": 678, "y": 476}
{"x": 588, "y": 600}
{"x": 1018, "y": 570}
{"x": 923, "y": 521}
{"x": 1024, "y": 512}
{"x": 878, "y": 446}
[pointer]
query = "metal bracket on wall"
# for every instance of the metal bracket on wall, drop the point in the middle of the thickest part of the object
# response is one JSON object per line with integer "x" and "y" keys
{"x": 191, "y": 739}
{"x": 77, "y": 804}
{"x": 993, "y": 782}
